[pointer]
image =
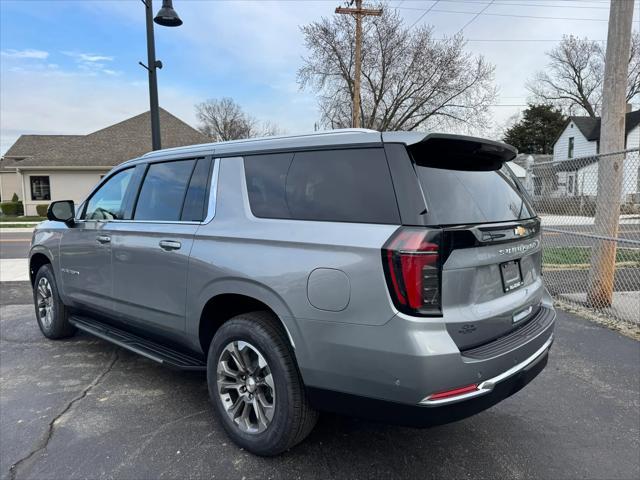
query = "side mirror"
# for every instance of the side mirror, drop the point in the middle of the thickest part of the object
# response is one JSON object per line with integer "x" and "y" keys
{"x": 62, "y": 211}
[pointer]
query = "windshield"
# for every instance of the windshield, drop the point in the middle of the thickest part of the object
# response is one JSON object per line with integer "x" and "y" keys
{"x": 466, "y": 197}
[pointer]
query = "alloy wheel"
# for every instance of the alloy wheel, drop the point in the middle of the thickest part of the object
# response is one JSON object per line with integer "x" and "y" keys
{"x": 44, "y": 299}
{"x": 245, "y": 386}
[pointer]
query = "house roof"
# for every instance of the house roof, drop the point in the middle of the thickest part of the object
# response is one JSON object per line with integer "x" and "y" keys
{"x": 107, "y": 147}
{"x": 590, "y": 126}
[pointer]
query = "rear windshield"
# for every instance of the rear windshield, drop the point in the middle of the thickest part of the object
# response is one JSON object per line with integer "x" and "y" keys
{"x": 463, "y": 196}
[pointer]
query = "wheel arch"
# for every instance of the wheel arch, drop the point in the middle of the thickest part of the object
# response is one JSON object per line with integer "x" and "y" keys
{"x": 36, "y": 260}
{"x": 229, "y": 298}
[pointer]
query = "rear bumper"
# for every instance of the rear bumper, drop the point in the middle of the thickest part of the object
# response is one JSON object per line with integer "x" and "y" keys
{"x": 437, "y": 412}
{"x": 409, "y": 359}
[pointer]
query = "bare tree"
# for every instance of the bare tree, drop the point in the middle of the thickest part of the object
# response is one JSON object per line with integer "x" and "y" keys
{"x": 633, "y": 77}
{"x": 224, "y": 119}
{"x": 574, "y": 76}
{"x": 409, "y": 78}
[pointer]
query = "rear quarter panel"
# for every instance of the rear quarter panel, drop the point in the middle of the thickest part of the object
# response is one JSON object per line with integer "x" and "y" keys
{"x": 271, "y": 260}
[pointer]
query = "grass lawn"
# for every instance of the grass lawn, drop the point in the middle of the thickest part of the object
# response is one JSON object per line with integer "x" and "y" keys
{"x": 582, "y": 255}
{"x": 5, "y": 218}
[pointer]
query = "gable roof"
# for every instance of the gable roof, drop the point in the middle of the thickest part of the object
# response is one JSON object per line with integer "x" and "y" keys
{"x": 590, "y": 126}
{"x": 107, "y": 147}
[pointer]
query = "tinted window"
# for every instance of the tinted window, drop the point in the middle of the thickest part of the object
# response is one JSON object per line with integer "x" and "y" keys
{"x": 266, "y": 179}
{"x": 107, "y": 202}
{"x": 461, "y": 196}
{"x": 351, "y": 185}
{"x": 163, "y": 191}
{"x": 194, "y": 202}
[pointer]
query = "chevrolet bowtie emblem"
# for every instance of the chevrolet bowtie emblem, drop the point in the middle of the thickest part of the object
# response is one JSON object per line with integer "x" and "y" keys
{"x": 520, "y": 231}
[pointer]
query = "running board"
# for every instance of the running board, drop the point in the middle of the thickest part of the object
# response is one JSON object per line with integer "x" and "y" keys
{"x": 147, "y": 348}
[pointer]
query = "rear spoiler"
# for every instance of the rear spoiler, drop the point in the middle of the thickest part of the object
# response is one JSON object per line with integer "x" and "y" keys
{"x": 457, "y": 152}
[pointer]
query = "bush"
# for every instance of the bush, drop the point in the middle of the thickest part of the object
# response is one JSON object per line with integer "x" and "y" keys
{"x": 12, "y": 209}
{"x": 42, "y": 210}
{"x": 15, "y": 198}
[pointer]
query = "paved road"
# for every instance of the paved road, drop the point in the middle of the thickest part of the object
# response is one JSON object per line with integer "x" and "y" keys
{"x": 82, "y": 408}
{"x": 13, "y": 244}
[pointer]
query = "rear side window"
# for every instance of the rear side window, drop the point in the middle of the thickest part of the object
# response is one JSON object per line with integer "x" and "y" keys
{"x": 194, "y": 202}
{"x": 351, "y": 185}
{"x": 463, "y": 196}
{"x": 163, "y": 191}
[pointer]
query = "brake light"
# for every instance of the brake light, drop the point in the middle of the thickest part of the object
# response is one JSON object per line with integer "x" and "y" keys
{"x": 411, "y": 259}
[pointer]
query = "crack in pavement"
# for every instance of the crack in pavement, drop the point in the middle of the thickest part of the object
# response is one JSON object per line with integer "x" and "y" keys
{"x": 42, "y": 444}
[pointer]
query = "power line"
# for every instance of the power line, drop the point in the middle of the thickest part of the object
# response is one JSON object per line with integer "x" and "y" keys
{"x": 421, "y": 16}
{"x": 507, "y": 3}
{"x": 510, "y": 40}
{"x": 505, "y": 15}
{"x": 476, "y": 16}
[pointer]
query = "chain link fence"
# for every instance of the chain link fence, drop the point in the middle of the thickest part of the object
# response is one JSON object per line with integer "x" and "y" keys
{"x": 566, "y": 195}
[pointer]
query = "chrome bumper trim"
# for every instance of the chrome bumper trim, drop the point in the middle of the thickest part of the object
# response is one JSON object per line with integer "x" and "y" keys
{"x": 487, "y": 385}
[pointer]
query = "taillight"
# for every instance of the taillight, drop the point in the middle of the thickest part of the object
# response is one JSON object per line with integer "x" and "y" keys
{"x": 411, "y": 259}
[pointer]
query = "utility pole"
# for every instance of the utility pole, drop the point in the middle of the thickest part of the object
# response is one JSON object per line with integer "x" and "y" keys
{"x": 611, "y": 168}
{"x": 358, "y": 13}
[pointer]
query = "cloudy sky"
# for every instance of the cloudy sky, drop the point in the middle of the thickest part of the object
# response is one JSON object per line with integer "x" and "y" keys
{"x": 71, "y": 67}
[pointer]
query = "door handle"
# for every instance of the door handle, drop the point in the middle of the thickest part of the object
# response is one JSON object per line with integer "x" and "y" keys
{"x": 103, "y": 239}
{"x": 170, "y": 245}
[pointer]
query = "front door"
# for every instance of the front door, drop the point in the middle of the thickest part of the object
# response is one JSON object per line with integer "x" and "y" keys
{"x": 151, "y": 251}
{"x": 85, "y": 247}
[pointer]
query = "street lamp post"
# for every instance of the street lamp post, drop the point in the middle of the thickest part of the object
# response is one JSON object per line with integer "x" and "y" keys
{"x": 166, "y": 17}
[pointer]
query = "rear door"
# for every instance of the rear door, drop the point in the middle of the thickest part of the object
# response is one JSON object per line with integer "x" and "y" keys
{"x": 491, "y": 257}
{"x": 151, "y": 250}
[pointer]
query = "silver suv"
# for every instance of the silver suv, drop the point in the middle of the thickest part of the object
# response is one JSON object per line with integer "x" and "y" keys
{"x": 394, "y": 276}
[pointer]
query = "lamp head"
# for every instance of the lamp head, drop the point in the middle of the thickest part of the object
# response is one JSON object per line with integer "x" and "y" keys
{"x": 167, "y": 16}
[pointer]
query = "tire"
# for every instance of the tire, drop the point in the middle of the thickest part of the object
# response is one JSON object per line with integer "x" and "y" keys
{"x": 252, "y": 335}
{"x": 51, "y": 313}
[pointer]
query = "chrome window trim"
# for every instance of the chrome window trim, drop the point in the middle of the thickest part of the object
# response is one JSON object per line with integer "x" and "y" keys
{"x": 211, "y": 207}
{"x": 213, "y": 191}
{"x": 172, "y": 222}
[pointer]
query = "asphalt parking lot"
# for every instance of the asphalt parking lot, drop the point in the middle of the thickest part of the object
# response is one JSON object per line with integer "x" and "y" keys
{"x": 82, "y": 408}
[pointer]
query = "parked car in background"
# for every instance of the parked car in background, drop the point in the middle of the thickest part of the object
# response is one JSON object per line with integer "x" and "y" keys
{"x": 393, "y": 276}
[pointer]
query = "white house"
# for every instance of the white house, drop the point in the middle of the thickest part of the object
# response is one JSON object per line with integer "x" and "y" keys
{"x": 576, "y": 164}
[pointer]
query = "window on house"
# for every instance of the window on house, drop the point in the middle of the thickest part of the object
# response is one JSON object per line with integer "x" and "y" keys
{"x": 571, "y": 179}
{"x": 40, "y": 188}
{"x": 570, "y": 152}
